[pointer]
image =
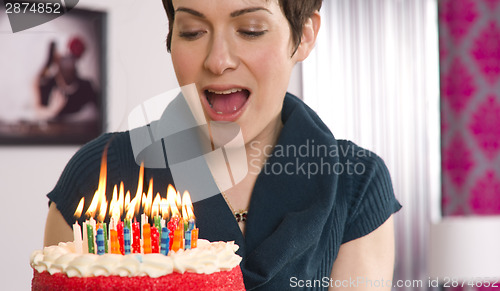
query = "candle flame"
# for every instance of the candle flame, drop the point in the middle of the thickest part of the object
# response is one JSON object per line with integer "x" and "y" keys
{"x": 131, "y": 209}
{"x": 121, "y": 198}
{"x": 114, "y": 208}
{"x": 148, "y": 199}
{"x": 127, "y": 201}
{"x": 187, "y": 206}
{"x": 122, "y": 205}
{"x": 155, "y": 211}
{"x": 102, "y": 211}
{"x": 171, "y": 197}
{"x": 100, "y": 193}
{"x": 164, "y": 208}
{"x": 178, "y": 200}
{"x": 79, "y": 209}
{"x": 140, "y": 186}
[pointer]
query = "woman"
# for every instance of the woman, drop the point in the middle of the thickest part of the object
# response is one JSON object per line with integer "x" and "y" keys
{"x": 324, "y": 220}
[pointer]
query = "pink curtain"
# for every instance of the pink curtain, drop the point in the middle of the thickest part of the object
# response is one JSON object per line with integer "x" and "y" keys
{"x": 470, "y": 106}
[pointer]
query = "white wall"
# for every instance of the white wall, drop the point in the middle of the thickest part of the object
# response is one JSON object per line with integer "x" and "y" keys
{"x": 138, "y": 69}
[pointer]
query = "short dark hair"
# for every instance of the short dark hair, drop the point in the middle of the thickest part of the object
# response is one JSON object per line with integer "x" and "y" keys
{"x": 296, "y": 12}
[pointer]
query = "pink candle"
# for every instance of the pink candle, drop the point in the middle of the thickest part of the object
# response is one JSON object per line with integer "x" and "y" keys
{"x": 136, "y": 238}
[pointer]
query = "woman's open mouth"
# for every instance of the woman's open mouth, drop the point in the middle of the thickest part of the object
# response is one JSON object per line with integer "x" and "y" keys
{"x": 225, "y": 104}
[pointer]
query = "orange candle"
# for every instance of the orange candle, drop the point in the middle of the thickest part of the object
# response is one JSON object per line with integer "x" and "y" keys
{"x": 178, "y": 236}
{"x": 115, "y": 246}
{"x": 194, "y": 238}
{"x": 146, "y": 234}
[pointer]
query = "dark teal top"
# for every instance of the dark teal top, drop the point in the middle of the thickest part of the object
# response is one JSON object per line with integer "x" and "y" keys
{"x": 313, "y": 194}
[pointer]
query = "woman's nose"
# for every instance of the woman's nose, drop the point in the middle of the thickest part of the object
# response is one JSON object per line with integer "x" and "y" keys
{"x": 220, "y": 56}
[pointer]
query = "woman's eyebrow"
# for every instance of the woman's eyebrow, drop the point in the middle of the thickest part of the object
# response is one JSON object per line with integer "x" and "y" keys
{"x": 249, "y": 10}
{"x": 190, "y": 11}
{"x": 233, "y": 14}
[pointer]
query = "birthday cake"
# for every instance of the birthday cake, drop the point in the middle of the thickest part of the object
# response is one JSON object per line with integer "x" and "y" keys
{"x": 210, "y": 266}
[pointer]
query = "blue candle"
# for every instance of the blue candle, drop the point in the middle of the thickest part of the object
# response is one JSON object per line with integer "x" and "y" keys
{"x": 187, "y": 240}
{"x": 100, "y": 242}
{"x": 165, "y": 241}
{"x": 191, "y": 225}
{"x": 126, "y": 239}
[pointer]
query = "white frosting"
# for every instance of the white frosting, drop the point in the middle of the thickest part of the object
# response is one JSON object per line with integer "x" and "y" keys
{"x": 207, "y": 258}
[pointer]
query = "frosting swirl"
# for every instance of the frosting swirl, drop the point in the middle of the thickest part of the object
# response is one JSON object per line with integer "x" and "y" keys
{"x": 207, "y": 258}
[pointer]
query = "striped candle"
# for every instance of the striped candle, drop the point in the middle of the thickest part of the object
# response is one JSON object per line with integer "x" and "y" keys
{"x": 126, "y": 240}
{"x": 100, "y": 241}
{"x": 165, "y": 241}
{"x": 187, "y": 239}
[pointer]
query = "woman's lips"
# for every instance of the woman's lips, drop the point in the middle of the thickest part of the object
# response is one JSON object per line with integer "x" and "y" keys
{"x": 225, "y": 104}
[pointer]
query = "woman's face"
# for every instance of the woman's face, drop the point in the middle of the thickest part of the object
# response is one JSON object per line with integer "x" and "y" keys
{"x": 239, "y": 55}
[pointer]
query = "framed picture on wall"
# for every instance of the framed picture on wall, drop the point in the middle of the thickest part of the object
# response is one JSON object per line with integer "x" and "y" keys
{"x": 52, "y": 80}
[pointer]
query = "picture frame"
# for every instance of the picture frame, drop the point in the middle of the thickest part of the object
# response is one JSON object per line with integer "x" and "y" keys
{"x": 53, "y": 84}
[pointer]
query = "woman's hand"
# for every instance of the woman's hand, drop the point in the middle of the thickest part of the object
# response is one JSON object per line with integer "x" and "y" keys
{"x": 366, "y": 263}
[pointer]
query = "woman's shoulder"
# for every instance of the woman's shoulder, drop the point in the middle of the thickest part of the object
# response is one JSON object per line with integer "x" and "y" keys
{"x": 366, "y": 187}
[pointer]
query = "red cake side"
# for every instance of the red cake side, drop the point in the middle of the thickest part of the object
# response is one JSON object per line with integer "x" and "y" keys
{"x": 223, "y": 280}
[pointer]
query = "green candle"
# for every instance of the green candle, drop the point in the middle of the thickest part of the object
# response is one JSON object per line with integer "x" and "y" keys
{"x": 90, "y": 238}
{"x": 158, "y": 224}
{"x": 105, "y": 229}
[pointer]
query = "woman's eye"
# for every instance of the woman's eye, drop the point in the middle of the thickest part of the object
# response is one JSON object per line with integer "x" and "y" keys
{"x": 191, "y": 35}
{"x": 252, "y": 33}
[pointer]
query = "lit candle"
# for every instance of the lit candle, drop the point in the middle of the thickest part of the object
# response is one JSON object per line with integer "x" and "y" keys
{"x": 178, "y": 238}
{"x": 90, "y": 238}
{"x": 194, "y": 238}
{"x": 191, "y": 224}
{"x": 100, "y": 241}
{"x": 77, "y": 238}
{"x": 115, "y": 248}
{"x": 172, "y": 226}
{"x": 126, "y": 240}
{"x": 158, "y": 224}
{"x": 119, "y": 230}
{"x": 144, "y": 220}
{"x": 136, "y": 238}
{"x": 187, "y": 239}
{"x": 165, "y": 241}
{"x": 146, "y": 241}
{"x": 93, "y": 223}
{"x": 155, "y": 240}
{"x": 105, "y": 231}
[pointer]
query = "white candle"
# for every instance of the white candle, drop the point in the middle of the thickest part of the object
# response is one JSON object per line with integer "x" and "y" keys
{"x": 77, "y": 238}
{"x": 85, "y": 247}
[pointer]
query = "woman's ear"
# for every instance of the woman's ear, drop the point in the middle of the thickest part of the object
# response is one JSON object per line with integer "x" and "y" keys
{"x": 309, "y": 34}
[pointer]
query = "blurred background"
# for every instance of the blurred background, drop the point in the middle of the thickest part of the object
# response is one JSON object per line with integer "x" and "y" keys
{"x": 416, "y": 80}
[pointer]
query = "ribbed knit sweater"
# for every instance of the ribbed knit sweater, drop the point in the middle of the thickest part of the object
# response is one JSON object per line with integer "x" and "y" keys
{"x": 314, "y": 194}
